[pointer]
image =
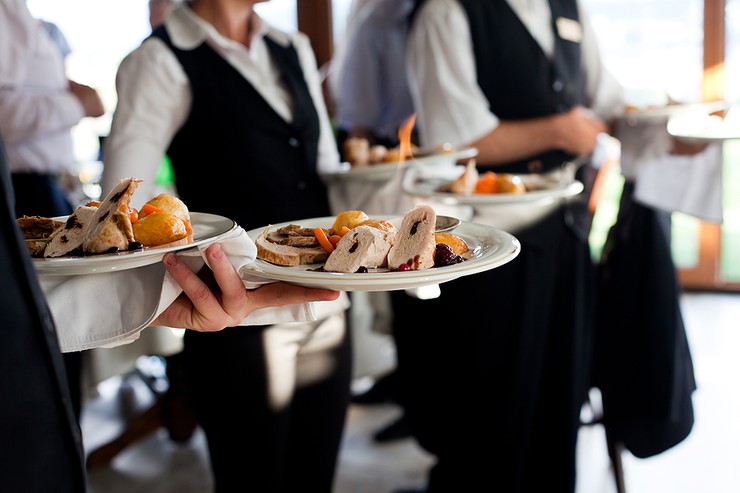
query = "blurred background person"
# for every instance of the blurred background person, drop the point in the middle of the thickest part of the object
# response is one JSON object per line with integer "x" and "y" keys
{"x": 237, "y": 106}
{"x": 38, "y": 108}
{"x": 372, "y": 93}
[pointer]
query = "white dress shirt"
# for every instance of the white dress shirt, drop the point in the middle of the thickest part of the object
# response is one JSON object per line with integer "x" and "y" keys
{"x": 158, "y": 97}
{"x": 441, "y": 69}
{"x": 37, "y": 111}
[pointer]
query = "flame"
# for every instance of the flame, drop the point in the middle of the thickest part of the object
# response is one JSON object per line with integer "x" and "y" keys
{"x": 404, "y": 138}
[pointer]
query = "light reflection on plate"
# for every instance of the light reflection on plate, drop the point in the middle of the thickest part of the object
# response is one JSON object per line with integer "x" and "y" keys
{"x": 490, "y": 248}
{"x": 385, "y": 171}
{"x": 207, "y": 228}
{"x": 418, "y": 184}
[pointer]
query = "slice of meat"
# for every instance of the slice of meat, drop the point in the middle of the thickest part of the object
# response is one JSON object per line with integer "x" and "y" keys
{"x": 37, "y": 227}
{"x": 415, "y": 243}
{"x": 288, "y": 255}
{"x": 111, "y": 226}
{"x": 69, "y": 238}
{"x": 363, "y": 246}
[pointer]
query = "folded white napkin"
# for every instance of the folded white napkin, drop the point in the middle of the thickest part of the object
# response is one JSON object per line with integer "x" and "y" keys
{"x": 688, "y": 184}
{"x": 112, "y": 308}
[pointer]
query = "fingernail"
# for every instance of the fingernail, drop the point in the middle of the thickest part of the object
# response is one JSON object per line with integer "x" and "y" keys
{"x": 170, "y": 259}
{"x": 217, "y": 251}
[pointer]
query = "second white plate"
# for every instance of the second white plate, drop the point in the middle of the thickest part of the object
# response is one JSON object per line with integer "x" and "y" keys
{"x": 417, "y": 185}
{"x": 490, "y": 248}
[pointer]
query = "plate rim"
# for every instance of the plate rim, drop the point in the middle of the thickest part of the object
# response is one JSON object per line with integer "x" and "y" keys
{"x": 114, "y": 262}
{"x": 383, "y": 280}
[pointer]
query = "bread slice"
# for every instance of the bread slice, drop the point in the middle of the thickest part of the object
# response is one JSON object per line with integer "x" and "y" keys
{"x": 111, "y": 226}
{"x": 363, "y": 246}
{"x": 68, "y": 239}
{"x": 415, "y": 243}
{"x": 288, "y": 255}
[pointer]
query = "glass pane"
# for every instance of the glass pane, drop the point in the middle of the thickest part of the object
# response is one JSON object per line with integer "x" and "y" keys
{"x": 730, "y": 231}
{"x": 654, "y": 47}
{"x": 685, "y": 240}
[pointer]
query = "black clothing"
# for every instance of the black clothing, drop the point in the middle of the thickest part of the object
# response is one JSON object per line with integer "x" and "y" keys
{"x": 41, "y": 444}
{"x": 235, "y": 156}
{"x": 500, "y": 362}
{"x": 40, "y": 195}
{"x": 642, "y": 362}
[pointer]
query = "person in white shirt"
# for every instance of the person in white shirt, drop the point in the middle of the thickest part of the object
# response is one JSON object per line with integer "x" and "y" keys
{"x": 372, "y": 93}
{"x": 495, "y": 370}
{"x": 237, "y": 106}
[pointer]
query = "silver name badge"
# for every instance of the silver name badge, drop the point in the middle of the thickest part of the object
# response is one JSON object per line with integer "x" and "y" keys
{"x": 569, "y": 29}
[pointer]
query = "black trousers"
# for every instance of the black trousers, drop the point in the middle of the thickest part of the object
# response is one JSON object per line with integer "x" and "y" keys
{"x": 39, "y": 195}
{"x": 494, "y": 371}
{"x": 254, "y": 447}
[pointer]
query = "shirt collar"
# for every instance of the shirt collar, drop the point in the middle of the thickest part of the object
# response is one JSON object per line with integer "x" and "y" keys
{"x": 188, "y": 31}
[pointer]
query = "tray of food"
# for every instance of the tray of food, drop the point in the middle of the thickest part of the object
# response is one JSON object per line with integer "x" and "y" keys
{"x": 353, "y": 252}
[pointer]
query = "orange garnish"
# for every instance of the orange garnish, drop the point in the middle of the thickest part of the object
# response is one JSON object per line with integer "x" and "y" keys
{"x": 149, "y": 209}
{"x": 323, "y": 240}
{"x": 487, "y": 183}
{"x": 188, "y": 227}
{"x": 334, "y": 239}
{"x": 133, "y": 215}
{"x": 344, "y": 231}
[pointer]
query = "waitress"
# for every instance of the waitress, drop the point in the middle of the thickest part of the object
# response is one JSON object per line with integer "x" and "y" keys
{"x": 495, "y": 370}
{"x": 237, "y": 106}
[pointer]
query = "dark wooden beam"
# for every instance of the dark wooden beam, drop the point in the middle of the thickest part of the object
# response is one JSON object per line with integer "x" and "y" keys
{"x": 315, "y": 20}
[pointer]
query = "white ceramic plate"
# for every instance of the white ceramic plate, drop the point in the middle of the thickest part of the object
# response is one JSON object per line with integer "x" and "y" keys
{"x": 385, "y": 171}
{"x": 490, "y": 248}
{"x": 661, "y": 114}
{"x": 703, "y": 128}
{"x": 540, "y": 187}
{"x": 207, "y": 228}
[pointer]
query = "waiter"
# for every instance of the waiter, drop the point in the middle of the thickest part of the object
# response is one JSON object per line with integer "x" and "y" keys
{"x": 495, "y": 372}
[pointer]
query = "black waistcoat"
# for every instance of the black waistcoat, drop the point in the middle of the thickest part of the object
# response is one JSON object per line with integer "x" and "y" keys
{"x": 235, "y": 156}
{"x": 517, "y": 77}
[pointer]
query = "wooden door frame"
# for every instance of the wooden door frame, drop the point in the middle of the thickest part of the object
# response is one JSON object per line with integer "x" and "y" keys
{"x": 706, "y": 274}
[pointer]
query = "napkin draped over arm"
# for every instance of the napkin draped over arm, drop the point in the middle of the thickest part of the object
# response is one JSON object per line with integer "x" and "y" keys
{"x": 109, "y": 309}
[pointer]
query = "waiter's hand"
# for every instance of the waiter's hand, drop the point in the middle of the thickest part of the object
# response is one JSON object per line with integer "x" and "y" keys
{"x": 217, "y": 298}
{"x": 578, "y": 130}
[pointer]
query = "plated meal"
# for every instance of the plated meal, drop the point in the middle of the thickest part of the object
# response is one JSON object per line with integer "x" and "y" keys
{"x": 352, "y": 252}
{"x": 635, "y": 115}
{"x": 380, "y": 163}
{"x": 465, "y": 185}
{"x": 111, "y": 235}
